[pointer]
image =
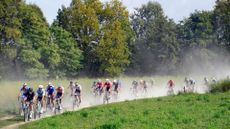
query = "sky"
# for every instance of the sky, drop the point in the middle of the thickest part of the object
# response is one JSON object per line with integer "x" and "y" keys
{"x": 175, "y": 9}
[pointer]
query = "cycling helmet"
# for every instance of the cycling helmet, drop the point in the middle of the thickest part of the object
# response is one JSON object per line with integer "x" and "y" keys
{"x": 31, "y": 89}
{"x": 99, "y": 80}
{"x": 107, "y": 80}
{"x": 115, "y": 81}
{"x": 24, "y": 84}
{"x": 40, "y": 86}
{"x": 49, "y": 83}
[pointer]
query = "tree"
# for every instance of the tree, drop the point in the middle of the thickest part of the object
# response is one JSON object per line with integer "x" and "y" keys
{"x": 70, "y": 54}
{"x": 156, "y": 46}
{"x": 9, "y": 23}
{"x": 36, "y": 37}
{"x": 197, "y": 30}
{"x": 222, "y": 21}
{"x": 112, "y": 50}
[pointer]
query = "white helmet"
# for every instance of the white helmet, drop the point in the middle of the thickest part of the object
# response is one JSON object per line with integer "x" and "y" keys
{"x": 107, "y": 80}
{"x": 49, "y": 83}
{"x": 40, "y": 86}
{"x": 115, "y": 81}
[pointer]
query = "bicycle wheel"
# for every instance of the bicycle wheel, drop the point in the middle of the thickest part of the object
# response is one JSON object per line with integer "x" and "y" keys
{"x": 25, "y": 114}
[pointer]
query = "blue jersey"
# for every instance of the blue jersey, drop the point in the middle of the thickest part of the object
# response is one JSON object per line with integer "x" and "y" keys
{"x": 24, "y": 90}
{"x": 50, "y": 90}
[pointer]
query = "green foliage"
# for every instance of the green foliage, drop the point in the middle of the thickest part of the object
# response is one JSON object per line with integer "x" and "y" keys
{"x": 90, "y": 22}
{"x": 9, "y": 23}
{"x": 70, "y": 54}
{"x": 112, "y": 50}
{"x": 182, "y": 112}
{"x": 30, "y": 62}
{"x": 156, "y": 43}
{"x": 222, "y": 21}
{"x": 220, "y": 86}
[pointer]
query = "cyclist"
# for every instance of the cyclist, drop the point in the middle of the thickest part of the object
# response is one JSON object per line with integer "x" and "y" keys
{"x": 21, "y": 95}
{"x": 30, "y": 99}
{"x": 206, "y": 81}
{"x": 186, "y": 81}
{"x": 144, "y": 86}
{"x": 171, "y": 85}
{"x": 50, "y": 89}
{"x": 214, "y": 80}
{"x": 99, "y": 86}
{"x": 152, "y": 82}
{"x": 78, "y": 91}
{"x": 134, "y": 87}
{"x": 71, "y": 87}
{"x": 116, "y": 86}
{"x": 40, "y": 96}
{"x": 60, "y": 94}
{"x": 94, "y": 88}
{"x": 191, "y": 84}
{"x": 107, "y": 85}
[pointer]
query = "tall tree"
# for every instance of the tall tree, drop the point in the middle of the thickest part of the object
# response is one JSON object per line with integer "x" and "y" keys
{"x": 222, "y": 20}
{"x": 71, "y": 55}
{"x": 10, "y": 35}
{"x": 36, "y": 37}
{"x": 156, "y": 43}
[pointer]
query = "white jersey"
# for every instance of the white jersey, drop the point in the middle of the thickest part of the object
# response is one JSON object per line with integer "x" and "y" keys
{"x": 40, "y": 92}
{"x": 77, "y": 88}
{"x": 72, "y": 86}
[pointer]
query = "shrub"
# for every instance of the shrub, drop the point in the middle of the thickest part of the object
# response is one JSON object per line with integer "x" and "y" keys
{"x": 221, "y": 86}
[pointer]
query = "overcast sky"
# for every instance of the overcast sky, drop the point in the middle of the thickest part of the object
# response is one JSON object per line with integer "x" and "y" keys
{"x": 175, "y": 9}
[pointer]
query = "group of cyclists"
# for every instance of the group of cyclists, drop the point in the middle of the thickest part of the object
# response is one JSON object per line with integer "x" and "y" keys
{"x": 109, "y": 88}
{"x": 28, "y": 95}
{"x": 47, "y": 96}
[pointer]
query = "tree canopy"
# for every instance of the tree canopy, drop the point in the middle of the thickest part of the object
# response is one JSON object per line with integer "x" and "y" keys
{"x": 93, "y": 38}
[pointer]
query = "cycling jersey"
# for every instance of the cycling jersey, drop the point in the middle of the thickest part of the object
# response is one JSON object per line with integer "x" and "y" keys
{"x": 29, "y": 96}
{"x": 23, "y": 90}
{"x": 99, "y": 84}
{"x": 78, "y": 89}
{"x": 116, "y": 85}
{"x": 50, "y": 90}
{"x": 60, "y": 89}
{"x": 107, "y": 86}
{"x": 40, "y": 92}
{"x": 72, "y": 86}
{"x": 135, "y": 84}
{"x": 170, "y": 83}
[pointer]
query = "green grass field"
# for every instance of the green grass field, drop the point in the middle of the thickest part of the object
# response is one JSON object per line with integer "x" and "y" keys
{"x": 184, "y": 111}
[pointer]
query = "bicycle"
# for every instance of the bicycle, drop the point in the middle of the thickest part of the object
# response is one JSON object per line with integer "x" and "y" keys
{"x": 170, "y": 91}
{"x": 57, "y": 108}
{"x": 48, "y": 103}
{"x": 26, "y": 111}
{"x": 38, "y": 110}
{"x": 76, "y": 102}
{"x": 106, "y": 97}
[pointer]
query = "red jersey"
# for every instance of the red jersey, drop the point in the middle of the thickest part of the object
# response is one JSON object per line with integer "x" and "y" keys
{"x": 107, "y": 86}
{"x": 170, "y": 83}
{"x": 99, "y": 84}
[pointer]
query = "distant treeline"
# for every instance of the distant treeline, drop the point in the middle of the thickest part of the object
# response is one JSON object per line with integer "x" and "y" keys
{"x": 91, "y": 38}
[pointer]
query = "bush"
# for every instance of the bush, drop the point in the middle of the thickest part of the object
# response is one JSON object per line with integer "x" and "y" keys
{"x": 221, "y": 86}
